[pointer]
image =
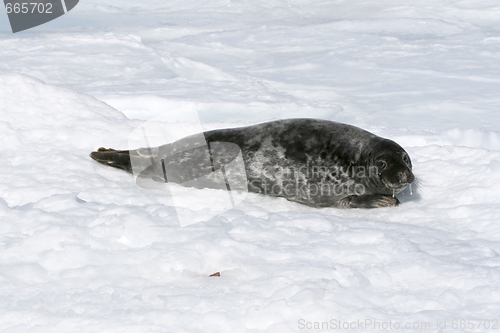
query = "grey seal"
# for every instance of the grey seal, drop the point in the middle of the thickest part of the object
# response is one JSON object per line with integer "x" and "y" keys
{"x": 318, "y": 163}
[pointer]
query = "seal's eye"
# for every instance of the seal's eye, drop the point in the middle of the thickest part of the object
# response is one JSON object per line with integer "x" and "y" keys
{"x": 406, "y": 159}
{"x": 381, "y": 165}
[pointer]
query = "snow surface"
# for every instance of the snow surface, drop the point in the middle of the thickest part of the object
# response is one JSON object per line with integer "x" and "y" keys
{"x": 83, "y": 249}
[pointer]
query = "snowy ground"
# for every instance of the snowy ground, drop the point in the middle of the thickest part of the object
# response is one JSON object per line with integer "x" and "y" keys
{"x": 83, "y": 249}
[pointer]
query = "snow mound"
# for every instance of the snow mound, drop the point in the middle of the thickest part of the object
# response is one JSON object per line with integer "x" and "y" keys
{"x": 47, "y": 134}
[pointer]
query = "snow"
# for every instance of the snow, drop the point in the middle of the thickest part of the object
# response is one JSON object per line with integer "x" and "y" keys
{"x": 84, "y": 249}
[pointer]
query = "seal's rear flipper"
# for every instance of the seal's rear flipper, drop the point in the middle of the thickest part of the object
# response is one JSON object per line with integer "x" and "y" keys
{"x": 116, "y": 158}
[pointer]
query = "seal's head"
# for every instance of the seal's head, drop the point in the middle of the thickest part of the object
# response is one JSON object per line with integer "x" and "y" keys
{"x": 393, "y": 169}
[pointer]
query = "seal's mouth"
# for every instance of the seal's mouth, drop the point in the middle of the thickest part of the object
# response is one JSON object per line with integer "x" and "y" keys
{"x": 395, "y": 188}
{"x": 396, "y": 180}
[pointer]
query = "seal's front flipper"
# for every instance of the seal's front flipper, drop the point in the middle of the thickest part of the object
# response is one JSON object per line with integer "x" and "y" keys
{"x": 369, "y": 201}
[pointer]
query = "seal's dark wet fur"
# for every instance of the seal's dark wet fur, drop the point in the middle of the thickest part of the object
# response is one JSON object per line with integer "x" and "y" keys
{"x": 314, "y": 162}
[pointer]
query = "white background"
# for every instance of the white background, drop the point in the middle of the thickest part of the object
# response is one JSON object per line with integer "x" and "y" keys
{"x": 83, "y": 249}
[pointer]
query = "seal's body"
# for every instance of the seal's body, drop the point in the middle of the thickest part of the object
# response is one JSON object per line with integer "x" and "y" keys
{"x": 314, "y": 162}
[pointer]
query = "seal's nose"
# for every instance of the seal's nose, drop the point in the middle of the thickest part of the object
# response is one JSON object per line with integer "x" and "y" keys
{"x": 406, "y": 177}
{"x": 402, "y": 177}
